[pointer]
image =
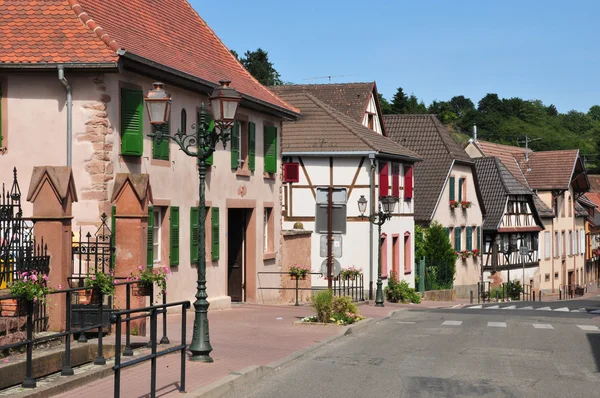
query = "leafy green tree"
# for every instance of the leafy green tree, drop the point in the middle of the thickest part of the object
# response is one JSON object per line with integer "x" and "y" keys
{"x": 419, "y": 243}
{"x": 460, "y": 105}
{"x": 399, "y": 102}
{"x": 258, "y": 64}
{"x": 386, "y": 107}
{"x": 414, "y": 106}
{"x": 551, "y": 110}
{"x": 594, "y": 113}
{"x": 440, "y": 255}
{"x": 490, "y": 104}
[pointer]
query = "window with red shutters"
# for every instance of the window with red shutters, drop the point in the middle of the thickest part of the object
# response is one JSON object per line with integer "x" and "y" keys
{"x": 291, "y": 172}
{"x": 408, "y": 182}
{"x": 395, "y": 180}
{"x": 383, "y": 178}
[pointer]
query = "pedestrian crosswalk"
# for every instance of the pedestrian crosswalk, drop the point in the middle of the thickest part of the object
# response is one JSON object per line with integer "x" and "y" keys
{"x": 529, "y": 307}
{"x": 546, "y": 326}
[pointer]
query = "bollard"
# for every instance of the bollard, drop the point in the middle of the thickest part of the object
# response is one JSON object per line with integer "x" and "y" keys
{"x": 540, "y": 295}
{"x": 534, "y": 295}
{"x": 296, "y": 292}
{"x": 559, "y": 294}
{"x": 471, "y": 297}
{"x": 496, "y": 295}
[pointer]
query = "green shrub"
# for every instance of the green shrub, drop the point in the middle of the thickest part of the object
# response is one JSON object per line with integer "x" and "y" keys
{"x": 400, "y": 291}
{"x": 323, "y": 305}
{"x": 342, "y": 305}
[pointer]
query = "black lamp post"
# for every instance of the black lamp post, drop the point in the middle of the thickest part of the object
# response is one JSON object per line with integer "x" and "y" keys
{"x": 379, "y": 218}
{"x": 200, "y": 143}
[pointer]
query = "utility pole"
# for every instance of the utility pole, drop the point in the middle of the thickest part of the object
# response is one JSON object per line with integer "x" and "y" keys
{"x": 526, "y": 142}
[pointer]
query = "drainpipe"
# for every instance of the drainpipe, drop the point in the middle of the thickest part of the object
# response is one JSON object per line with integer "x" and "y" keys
{"x": 372, "y": 204}
{"x": 63, "y": 80}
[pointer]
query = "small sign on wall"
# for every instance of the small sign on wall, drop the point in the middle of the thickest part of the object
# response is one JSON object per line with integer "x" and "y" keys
{"x": 337, "y": 246}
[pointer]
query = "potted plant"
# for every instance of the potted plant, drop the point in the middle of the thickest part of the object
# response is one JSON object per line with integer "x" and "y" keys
{"x": 464, "y": 254}
{"x": 30, "y": 287}
{"x": 465, "y": 204}
{"x": 99, "y": 284}
{"x": 351, "y": 273}
{"x": 147, "y": 277}
{"x": 475, "y": 253}
{"x": 453, "y": 204}
{"x": 299, "y": 271}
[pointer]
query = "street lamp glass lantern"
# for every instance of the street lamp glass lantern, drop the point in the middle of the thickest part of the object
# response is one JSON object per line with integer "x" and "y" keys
{"x": 362, "y": 204}
{"x": 223, "y": 104}
{"x": 158, "y": 104}
{"x": 388, "y": 203}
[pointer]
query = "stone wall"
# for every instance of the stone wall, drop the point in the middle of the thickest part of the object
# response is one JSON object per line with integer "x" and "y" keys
{"x": 295, "y": 249}
{"x": 440, "y": 295}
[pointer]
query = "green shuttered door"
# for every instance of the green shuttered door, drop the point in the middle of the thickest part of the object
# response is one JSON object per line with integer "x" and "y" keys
{"x": 132, "y": 127}
{"x": 174, "y": 236}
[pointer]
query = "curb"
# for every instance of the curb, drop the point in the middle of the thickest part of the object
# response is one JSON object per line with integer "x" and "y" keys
{"x": 253, "y": 373}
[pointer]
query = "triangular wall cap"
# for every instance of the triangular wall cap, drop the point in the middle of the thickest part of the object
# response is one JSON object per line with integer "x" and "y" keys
{"x": 61, "y": 178}
{"x": 139, "y": 182}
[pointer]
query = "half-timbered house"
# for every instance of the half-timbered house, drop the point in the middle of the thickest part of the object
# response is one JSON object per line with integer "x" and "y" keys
{"x": 339, "y": 142}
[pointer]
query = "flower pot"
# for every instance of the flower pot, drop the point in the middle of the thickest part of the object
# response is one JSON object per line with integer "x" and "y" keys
{"x": 142, "y": 289}
{"x": 298, "y": 276}
{"x": 14, "y": 307}
{"x": 90, "y": 297}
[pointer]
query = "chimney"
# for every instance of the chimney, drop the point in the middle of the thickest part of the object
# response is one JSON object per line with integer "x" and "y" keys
{"x": 474, "y": 132}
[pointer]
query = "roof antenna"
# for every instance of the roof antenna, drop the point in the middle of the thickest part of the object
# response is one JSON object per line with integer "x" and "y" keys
{"x": 527, "y": 141}
{"x": 474, "y": 132}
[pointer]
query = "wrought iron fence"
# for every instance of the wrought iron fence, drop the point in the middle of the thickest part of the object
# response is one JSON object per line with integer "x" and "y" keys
{"x": 20, "y": 251}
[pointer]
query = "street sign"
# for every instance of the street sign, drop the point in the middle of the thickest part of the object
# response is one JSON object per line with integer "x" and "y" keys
{"x": 524, "y": 251}
{"x": 337, "y": 267}
{"x": 337, "y": 246}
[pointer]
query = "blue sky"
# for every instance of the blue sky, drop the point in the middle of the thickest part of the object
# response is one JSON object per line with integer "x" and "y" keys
{"x": 436, "y": 49}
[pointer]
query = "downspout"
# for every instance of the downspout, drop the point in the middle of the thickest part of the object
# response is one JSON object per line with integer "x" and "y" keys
{"x": 372, "y": 204}
{"x": 63, "y": 80}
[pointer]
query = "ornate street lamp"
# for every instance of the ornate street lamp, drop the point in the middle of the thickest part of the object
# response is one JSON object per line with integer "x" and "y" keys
{"x": 379, "y": 218}
{"x": 200, "y": 143}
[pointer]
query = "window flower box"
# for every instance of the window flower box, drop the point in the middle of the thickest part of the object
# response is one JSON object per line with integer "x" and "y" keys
{"x": 454, "y": 204}
{"x": 466, "y": 204}
{"x": 475, "y": 253}
{"x": 464, "y": 254}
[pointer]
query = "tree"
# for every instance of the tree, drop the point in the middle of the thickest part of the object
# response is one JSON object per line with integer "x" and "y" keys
{"x": 490, "y": 104}
{"x": 258, "y": 64}
{"x": 460, "y": 105}
{"x": 440, "y": 256}
{"x": 414, "y": 107}
{"x": 594, "y": 112}
{"x": 552, "y": 111}
{"x": 399, "y": 101}
{"x": 386, "y": 107}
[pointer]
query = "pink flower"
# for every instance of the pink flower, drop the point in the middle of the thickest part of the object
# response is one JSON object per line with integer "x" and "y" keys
{"x": 93, "y": 277}
{"x": 59, "y": 287}
{"x": 6, "y": 360}
{"x": 140, "y": 267}
{"x": 25, "y": 279}
{"x": 115, "y": 282}
{"x": 35, "y": 299}
{"x": 24, "y": 274}
{"x": 45, "y": 277}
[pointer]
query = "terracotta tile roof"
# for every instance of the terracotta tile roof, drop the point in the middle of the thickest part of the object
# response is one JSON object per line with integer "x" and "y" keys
{"x": 549, "y": 169}
{"x": 594, "y": 182}
{"x": 425, "y": 135}
{"x": 322, "y": 128}
{"x": 593, "y": 197}
{"x": 349, "y": 98}
{"x": 506, "y": 154}
{"x": 496, "y": 184}
{"x": 47, "y": 31}
{"x": 166, "y": 32}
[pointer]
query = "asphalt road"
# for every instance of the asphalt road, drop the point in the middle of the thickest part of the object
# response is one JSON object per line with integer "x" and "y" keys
{"x": 450, "y": 354}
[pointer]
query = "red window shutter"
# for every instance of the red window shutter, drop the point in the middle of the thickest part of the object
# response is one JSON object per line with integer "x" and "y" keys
{"x": 383, "y": 178}
{"x": 291, "y": 172}
{"x": 395, "y": 180}
{"x": 408, "y": 182}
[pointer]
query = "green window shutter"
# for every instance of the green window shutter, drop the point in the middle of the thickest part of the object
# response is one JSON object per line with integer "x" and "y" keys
{"x": 161, "y": 151}
{"x": 194, "y": 235}
{"x": 251, "y": 146}
{"x": 449, "y": 231}
{"x": 174, "y": 237}
{"x": 113, "y": 235}
{"x": 270, "y": 149}
{"x": 452, "y": 196}
{"x": 457, "y": 242}
{"x": 461, "y": 182}
{"x": 215, "y": 233}
{"x": 211, "y": 128}
{"x": 150, "y": 243}
{"x": 235, "y": 145}
{"x": 479, "y": 238}
{"x": 469, "y": 238}
{"x": 132, "y": 126}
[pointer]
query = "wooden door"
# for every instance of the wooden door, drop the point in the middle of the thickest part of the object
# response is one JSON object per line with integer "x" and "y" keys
{"x": 236, "y": 229}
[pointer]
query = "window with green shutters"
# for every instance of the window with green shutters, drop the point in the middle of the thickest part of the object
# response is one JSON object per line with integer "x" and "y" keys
{"x": 270, "y": 149}
{"x": 479, "y": 238}
{"x": 461, "y": 182}
{"x": 469, "y": 238}
{"x": 457, "y": 241}
{"x": 215, "y": 249}
{"x": 174, "y": 236}
{"x": 150, "y": 243}
{"x": 132, "y": 126}
{"x": 251, "y": 146}
{"x": 449, "y": 231}
{"x": 235, "y": 145}
{"x": 194, "y": 235}
{"x": 211, "y": 128}
{"x": 161, "y": 151}
{"x": 452, "y": 188}
{"x": 113, "y": 235}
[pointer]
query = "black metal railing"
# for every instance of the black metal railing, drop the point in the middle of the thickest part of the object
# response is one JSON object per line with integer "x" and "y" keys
{"x": 152, "y": 312}
{"x": 571, "y": 291}
{"x": 70, "y": 329}
{"x": 92, "y": 253}
{"x": 504, "y": 292}
{"x": 351, "y": 286}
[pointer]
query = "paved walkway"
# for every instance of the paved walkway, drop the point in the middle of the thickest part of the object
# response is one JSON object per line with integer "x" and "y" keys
{"x": 242, "y": 336}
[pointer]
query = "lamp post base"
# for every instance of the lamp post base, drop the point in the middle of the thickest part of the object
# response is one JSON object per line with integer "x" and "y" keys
{"x": 379, "y": 295}
{"x": 199, "y": 357}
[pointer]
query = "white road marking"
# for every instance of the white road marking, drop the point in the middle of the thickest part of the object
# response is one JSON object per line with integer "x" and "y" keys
{"x": 475, "y": 307}
{"x": 406, "y": 322}
{"x": 456, "y": 306}
{"x": 579, "y": 310}
{"x": 544, "y": 309}
{"x": 510, "y": 307}
{"x": 563, "y": 309}
{"x": 588, "y": 328}
{"x": 452, "y": 323}
{"x": 496, "y": 324}
{"x": 595, "y": 312}
{"x": 542, "y": 326}
{"x": 526, "y": 308}
{"x": 492, "y": 307}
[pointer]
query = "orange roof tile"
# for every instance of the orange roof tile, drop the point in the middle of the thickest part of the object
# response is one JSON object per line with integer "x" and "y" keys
{"x": 167, "y": 32}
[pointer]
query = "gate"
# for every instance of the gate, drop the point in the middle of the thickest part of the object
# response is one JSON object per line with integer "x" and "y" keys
{"x": 19, "y": 250}
{"x": 91, "y": 254}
